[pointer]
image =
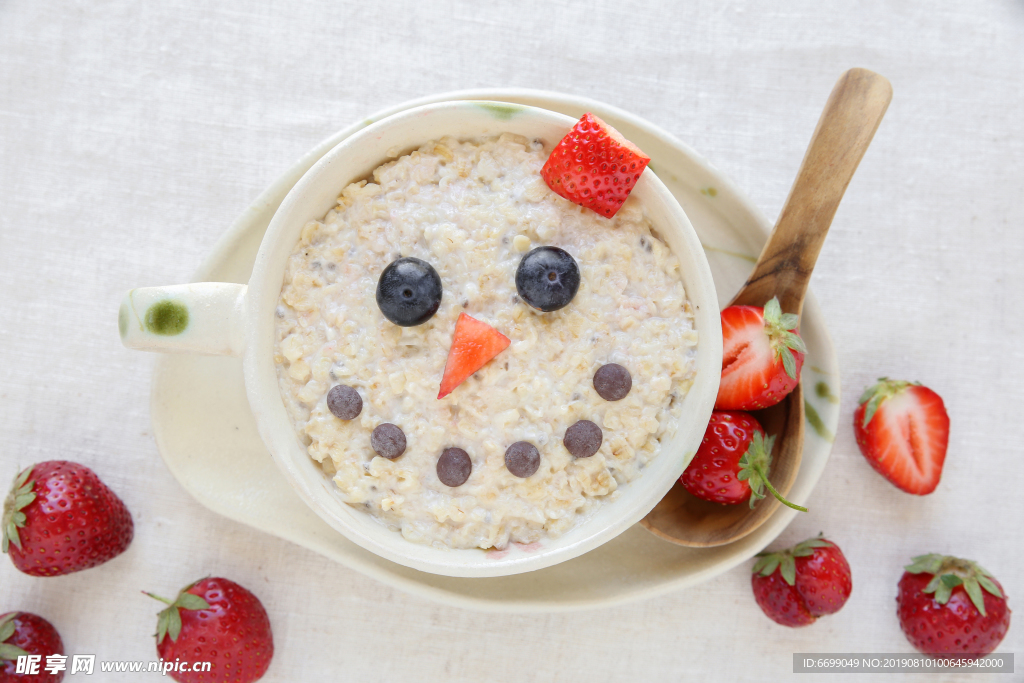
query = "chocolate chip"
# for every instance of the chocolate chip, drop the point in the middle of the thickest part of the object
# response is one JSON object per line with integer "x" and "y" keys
{"x": 522, "y": 459}
{"x": 612, "y": 382}
{"x": 344, "y": 402}
{"x": 388, "y": 440}
{"x": 583, "y": 439}
{"x": 454, "y": 467}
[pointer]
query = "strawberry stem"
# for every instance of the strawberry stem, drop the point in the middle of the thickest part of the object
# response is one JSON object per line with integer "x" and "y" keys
{"x": 754, "y": 470}
{"x": 782, "y": 499}
{"x": 157, "y": 597}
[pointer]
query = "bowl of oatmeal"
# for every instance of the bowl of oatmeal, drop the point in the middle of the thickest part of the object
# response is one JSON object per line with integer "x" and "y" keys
{"x": 457, "y": 185}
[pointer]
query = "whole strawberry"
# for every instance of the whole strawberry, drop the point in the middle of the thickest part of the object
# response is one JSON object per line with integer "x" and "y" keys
{"x": 60, "y": 518}
{"x": 21, "y": 634}
{"x": 731, "y": 466}
{"x": 797, "y": 585}
{"x": 950, "y": 606}
{"x": 762, "y": 356}
{"x": 215, "y": 620}
{"x": 902, "y": 430}
{"x": 594, "y": 166}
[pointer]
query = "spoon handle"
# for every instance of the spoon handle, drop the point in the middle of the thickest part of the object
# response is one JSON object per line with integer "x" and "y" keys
{"x": 851, "y": 117}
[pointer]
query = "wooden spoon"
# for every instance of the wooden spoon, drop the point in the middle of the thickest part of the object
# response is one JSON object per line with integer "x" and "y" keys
{"x": 844, "y": 131}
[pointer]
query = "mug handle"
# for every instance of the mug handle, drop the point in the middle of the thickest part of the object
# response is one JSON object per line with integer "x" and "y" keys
{"x": 205, "y": 318}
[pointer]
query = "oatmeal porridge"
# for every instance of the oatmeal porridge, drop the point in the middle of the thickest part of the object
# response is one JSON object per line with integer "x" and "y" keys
{"x": 574, "y": 402}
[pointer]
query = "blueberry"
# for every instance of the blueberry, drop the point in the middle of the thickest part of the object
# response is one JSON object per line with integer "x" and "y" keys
{"x": 547, "y": 278}
{"x": 409, "y": 291}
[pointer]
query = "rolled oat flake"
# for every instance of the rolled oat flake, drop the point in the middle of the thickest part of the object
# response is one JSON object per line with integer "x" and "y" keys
{"x": 454, "y": 467}
{"x": 583, "y": 439}
{"x": 522, "y": 459}
{"x": 344, "y": 402}
{"x": 612, "y": 382}
{"x": 388, "y": 440}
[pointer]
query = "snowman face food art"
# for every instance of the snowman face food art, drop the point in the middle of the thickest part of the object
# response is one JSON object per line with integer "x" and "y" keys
{"x": 474, "y": 359}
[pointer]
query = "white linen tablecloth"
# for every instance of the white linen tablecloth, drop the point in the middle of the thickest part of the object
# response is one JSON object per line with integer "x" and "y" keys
{"x": 133, "y": 133}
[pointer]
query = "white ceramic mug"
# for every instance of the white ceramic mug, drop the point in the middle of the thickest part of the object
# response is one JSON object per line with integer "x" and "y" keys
{"x": 238, "y": 320}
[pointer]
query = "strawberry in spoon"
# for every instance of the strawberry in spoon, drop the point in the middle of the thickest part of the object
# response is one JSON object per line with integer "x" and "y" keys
{"x": 731, "y": 466}
{"x": 762, "y": 356}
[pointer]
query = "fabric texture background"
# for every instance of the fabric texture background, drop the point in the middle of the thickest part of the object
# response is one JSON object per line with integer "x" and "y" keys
{"x": 133, "y": 133}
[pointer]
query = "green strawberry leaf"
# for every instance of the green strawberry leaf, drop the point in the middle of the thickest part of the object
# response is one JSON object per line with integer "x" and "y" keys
{"x": 174, "y": 623}
{"x": 161, "y": 625}
{"x": 793, "y": 341}
{"x": 807, "y": 547}
{"x": 974, "y": 591}
{"x": 872, "y": 408}
{"x": 990, "y": 586}
{"x": 925, "y": 564}
{"x": 788, "y": 362}
{"x": 11, "y": 652}
{"x": 773, "y": 311}
{"x": 10, "y": 533}
{"x": 7, "y": 626}
{"x": 19, "y": 497}
{"x": 168, "y": 622}
{"x": 190, "y": 601}
{"x": 22, "y": 478}
{"x": 767, "y": 565}
{"x": 788, "y": 569}
{"x": 869, "y": 392}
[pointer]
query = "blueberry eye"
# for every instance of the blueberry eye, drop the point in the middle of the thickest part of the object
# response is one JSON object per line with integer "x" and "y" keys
{"x": 547, "y": 278}
{"x": 409, "y": 291}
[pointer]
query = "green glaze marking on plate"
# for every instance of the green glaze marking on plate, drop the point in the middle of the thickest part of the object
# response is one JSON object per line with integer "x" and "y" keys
{"x": 167, "y": 318}
{"x": 745, "y": 257}
{"x": 122, "y": 320}
{"x": 367, "y": 122}
{"x": 709, "y": 192}
{"x": 815, "y": 421}
{"x": 501, "y": 111}
{"x": 822, "y": 390}
{"x": 818, "y": 370}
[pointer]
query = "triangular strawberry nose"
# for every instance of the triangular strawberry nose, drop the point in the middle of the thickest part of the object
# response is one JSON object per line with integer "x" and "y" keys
{"x": 473, "y": 345}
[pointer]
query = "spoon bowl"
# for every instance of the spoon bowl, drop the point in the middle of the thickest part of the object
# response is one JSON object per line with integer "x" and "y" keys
{"x": 848, "y": 123}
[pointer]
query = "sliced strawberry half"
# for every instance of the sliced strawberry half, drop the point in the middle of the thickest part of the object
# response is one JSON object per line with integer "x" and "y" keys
{"x": 473, "y": 345}
{"x": 902, "y": 429}
{"x": 594, "y": 166}
{"x": 761, "y": 358}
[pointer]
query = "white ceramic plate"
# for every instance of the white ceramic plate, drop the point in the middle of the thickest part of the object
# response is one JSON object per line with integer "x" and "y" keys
{"x": 207, "y": 436}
